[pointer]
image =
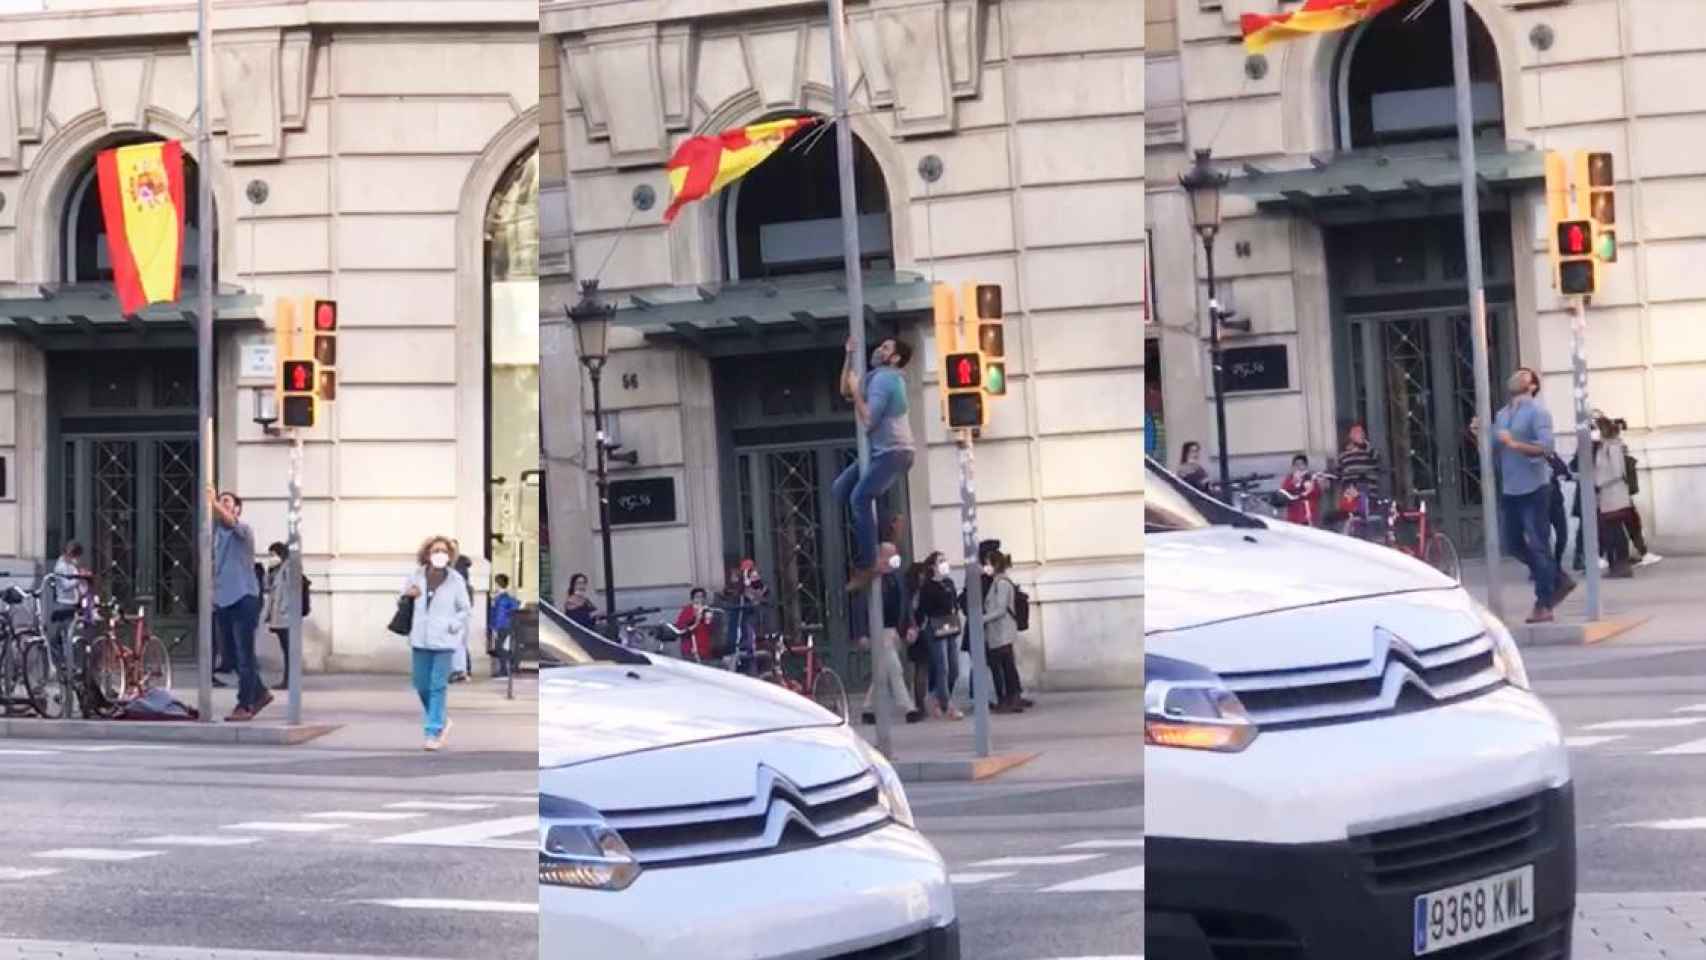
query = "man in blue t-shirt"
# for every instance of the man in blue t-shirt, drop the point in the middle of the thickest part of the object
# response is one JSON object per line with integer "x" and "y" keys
{"x": 882, "y": 410}
{"x": 1522, "y": 440}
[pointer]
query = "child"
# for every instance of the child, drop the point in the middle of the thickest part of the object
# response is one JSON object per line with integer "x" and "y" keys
{"x": 504, "y": 606}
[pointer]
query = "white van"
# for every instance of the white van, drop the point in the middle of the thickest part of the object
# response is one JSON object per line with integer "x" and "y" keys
{"x": 1343, "y": 758}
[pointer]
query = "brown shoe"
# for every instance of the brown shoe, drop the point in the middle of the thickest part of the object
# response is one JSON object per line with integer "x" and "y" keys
{"x": 1540, "y": 615}
{"x": 1565, "y": 586}
{"x": 240, "y": 715}
{"x": 266, "y": 698}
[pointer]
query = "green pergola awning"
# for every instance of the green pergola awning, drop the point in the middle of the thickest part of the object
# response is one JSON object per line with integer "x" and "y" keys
{"x": 73, "y": 314}
{"x": 1367, "y": 178}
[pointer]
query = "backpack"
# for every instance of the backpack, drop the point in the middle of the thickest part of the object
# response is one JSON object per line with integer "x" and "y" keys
{"x": 307, "y": 606}
{"x": 1021, "y": 610}
{"x": 1630, "y": 476}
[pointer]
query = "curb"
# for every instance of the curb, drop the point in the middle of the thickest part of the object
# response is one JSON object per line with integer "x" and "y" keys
{"x": 1580, "y": 634}
{"x": 174, "y": 731}
{"x": 960, "y": 770}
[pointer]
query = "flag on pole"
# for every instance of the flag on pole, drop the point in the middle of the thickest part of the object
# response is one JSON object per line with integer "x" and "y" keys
{"x": 142, "y": 204}
{"x": 1315, "y": 16}
{"x": 703, "y": 165}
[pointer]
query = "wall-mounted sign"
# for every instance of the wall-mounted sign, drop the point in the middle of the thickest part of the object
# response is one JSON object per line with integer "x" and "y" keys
{"x": 259, "y": 360}
{"x": 651, "y": 500}
{"x": 1248, "y": 369}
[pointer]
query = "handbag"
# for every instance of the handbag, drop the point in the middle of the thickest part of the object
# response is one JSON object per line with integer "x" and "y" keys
{"x": 403, "y": 621}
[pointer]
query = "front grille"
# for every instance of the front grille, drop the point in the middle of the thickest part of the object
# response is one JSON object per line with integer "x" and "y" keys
{"x": 1454, "y": 849}
{"x": 915, "y": 947}
{"x": 1544, "y": 940}
{"x": 1395, "y": 678}
{"x": 778, "y": 817}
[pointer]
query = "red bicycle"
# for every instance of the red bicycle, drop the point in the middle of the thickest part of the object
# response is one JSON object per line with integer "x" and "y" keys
{"x": 1384, "y": 520}
{"x": 815, "y": 680}
{"x": 125, "y": 668}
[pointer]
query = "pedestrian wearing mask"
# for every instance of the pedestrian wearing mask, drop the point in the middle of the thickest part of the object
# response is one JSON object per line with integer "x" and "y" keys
{"x": 695, "y": 620}
{"x": 440, "y": 623}
{"x": 939, "y": 626}
{"x": 1615, "y": 505}
{"x": 1303, "y": 493}
{"x": 276, "y": 611}
{"x": 579, "y": 607}
{"x": 1000, "y": 631}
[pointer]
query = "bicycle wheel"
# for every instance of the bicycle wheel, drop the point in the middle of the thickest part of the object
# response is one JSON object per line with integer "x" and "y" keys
{"x": 1441, "y": 554}
{"x": 829, "y": 693}
{"x": 107, "y": 671}
{"x": 11, "y": 677}
{"x": 156, "y": 666}
{"x": 44, "y": 681}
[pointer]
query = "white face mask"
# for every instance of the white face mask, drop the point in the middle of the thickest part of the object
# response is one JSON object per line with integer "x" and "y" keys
{"x": 988, "y": 570}
{"x": 440, "y": 560}
{"x": 894, "y": 562}
{"x": 1594, "y": 434}
{"x": 942, "y": 569}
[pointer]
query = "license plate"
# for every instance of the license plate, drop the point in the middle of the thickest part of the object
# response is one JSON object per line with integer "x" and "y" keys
{"x": 1471, "y": 911}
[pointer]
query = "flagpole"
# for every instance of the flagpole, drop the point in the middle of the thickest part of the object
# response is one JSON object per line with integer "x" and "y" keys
{"x": 205, "y": 228}
{"x": 856, "y": 326}
{"x": 1477, "y": 298}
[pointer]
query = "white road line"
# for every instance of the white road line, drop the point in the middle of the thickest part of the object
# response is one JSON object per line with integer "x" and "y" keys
{"x": 1576, "y": 743}
{"x": 114, "y": 747}
{"x": 181, "y": 840}
{"x": 479, "y": 906}
{"x": 1681, "y": 749}
{"x": 973, "y": 879}
{"x": 1056, "y": 860}
{"x": 1658, "y": 723}
{"x": 482, "y": 833}
{"x": 371, "y": 816}
{"x": 1136, "y": 844}
{"x": 27, "y": 753}
{"x": 1691, "y": 708}
{"x": 264, "y": 826}
{"x": 438, "y": 805}
{"x": 26, "y": 873}
{"x": 1688, "y": 823}
{"x": 1129, "y": 880}
{"x": 95, "y": 854}
{"x": 494, "y": 798}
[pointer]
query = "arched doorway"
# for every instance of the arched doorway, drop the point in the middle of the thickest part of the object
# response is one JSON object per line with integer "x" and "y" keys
{"x": 1403, "y": 337}
{"x": 513, "y": 501}
{"x": 123, "y": 472}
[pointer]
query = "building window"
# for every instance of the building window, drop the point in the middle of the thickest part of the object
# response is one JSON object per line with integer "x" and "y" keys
{"x": 1396, "y": 80}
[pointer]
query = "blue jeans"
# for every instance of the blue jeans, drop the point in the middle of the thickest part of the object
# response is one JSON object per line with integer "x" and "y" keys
{"x": 861, "y": 495}
{"x": 944, "y": 669}
{"x": 432, "y": 680}
{"x": 1527, "y": 528}
{"x": 236, "y": 625}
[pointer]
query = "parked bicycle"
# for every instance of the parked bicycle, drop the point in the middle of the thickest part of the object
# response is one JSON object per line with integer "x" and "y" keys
{"x": 15, "y": 695}
{"x": 816, "y": 681}
{"x": 1407, "y": 531}
{"x": 56, "y": 656}
{"x": 127, "y": 658}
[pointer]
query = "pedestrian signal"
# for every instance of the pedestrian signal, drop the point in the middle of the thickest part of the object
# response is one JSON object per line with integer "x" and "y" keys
{"x": 1576, "y": 268}
{"x": 965, "y": 410}
{"x": 964, "y": 371}
{"x": 1573, "y": 238}
{"x": 300, "y": 378}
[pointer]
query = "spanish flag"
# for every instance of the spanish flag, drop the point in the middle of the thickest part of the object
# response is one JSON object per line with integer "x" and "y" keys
{"x": 142, "y": 202}
{"x": 703, "y": 165}
{"x": 1315, "y": 16}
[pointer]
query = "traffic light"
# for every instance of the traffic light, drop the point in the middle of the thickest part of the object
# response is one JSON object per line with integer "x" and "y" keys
{"x": 962, "y": 377}
{"x": 1576, "y": 267}
{"x": 326, "y": 349}
{"x": 1602, "y": 206}
{"x": 991, "y": 338}
{"x": 298, "y": 408}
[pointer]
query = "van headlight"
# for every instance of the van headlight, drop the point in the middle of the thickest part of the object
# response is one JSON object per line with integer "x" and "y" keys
{"x": 1507, "y": 659}
{"x": 578, "y": 849}
{"x": 890, "y": 793}
{"x": 1188, "y": 707}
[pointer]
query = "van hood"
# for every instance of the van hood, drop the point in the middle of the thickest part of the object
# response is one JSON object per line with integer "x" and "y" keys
{"x": 597, "y": 711}
{"x": 1215, "y": 574}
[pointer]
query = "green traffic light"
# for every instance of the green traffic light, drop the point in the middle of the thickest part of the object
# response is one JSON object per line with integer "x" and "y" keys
{"x": 995, "y": 379}
{"x": 1605, "y": 246}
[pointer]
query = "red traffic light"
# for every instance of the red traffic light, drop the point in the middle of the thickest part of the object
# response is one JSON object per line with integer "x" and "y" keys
{"x": 1575, "y": 238}
{"x": 299, "y": 376}
{"x": 964, "y": 371}
{"x": 325, "y": 315}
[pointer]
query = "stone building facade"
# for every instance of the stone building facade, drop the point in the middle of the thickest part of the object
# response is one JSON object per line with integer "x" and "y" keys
{"x": 396, "y": 146}
{"x": 730, "y": 324}
{"x": 1343, "y": 241}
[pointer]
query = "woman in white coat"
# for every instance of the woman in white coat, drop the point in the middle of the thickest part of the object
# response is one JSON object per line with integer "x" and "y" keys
{"x": 439, "y": 627}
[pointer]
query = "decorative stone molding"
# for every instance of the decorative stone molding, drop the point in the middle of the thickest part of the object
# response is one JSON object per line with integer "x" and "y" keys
{"x": 632, "y": 87}
{"x": 260, "y": 89}
{"x": 11, "y": 151}
{"x": 31, "y": 86}
{"x": 888, "y": 38}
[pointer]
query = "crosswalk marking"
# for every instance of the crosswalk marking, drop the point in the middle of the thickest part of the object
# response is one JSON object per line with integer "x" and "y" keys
{"x": 1691, "y": 708}
{"x": 973, "y": 879}
{"x": 492, "y": 798}
{"x": 481, "y": 906}
{"x": 1136, "y": 844}
{"x": 1681, "y": 749}
{"x": 177, "y": 840}
{"x": 1054, "y": 860}
{"x": 26, "y": 873}
{"x": 27, "y": 753}
{"x": 1129, "y": 880}
{"x": 1656, "y": 723}
{"x": 95, "y": 854}
{"x": 439, "y": 805}
{"x": 267, "y": 826}
{"x": 1585, "y": 742}
{"x": 371, "y": 816}
{"x": 485, "y": 833}
{"x": 1686, "y": 823}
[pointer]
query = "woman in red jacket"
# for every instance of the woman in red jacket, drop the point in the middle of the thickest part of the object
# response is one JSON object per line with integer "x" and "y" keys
{"x": 1303, "y": 493}
{"x": 695, "y": 618}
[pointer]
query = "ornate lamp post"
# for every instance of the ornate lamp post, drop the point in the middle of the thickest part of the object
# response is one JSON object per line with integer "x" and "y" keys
{"x": 1202, "y": 185}
{"x": 591, "y": 320}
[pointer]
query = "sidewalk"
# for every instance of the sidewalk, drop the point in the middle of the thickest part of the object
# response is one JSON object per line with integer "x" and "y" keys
{"x": 346, "y": 711}
{"x": 1664, "y": 604}
{"x": 1079, "y": 735}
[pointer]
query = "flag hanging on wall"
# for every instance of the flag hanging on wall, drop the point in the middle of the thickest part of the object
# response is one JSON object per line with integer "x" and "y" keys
{"x": 142, "y": 204}
{"x": 703, "y": 165}
{"x": 1315, "y": 16}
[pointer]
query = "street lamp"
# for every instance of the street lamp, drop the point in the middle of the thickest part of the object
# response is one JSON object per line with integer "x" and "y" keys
{"x": 1202, "y": 185}
{"x": 591, "y": 320}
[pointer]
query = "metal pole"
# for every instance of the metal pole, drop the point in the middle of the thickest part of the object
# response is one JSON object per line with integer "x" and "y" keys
{"x": 205, "y": 229}
{"x": 1477, "y": 298}
{"x": 604, "y": 502}
{"x": 1219, "y": 381}
{"x": 856, "y": 325}
{"x": 293, "y": 580}
{"x": 1585, "y": 483}
{"x": 983, "y": 686}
